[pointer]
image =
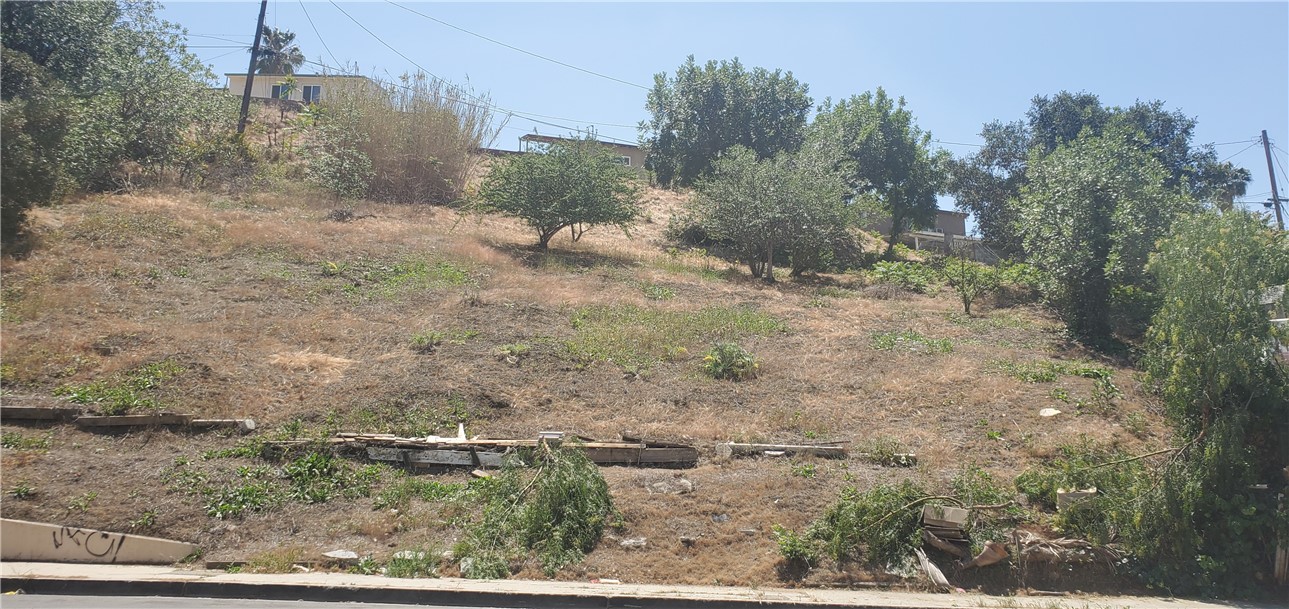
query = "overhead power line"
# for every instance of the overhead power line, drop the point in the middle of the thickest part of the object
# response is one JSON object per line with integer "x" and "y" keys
{"x": 958, "y": 143}
{"x": 515, "y": 48}
{"x": 1240, "y": 152}
{"x": 477, "y": 103}
{"x": 315, "y": 31}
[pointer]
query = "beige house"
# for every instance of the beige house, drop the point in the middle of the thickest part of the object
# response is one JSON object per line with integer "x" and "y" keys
{"x": 627, "y": 154}
{"x": 947, "y": 233}
{"x": 309, "y": 88}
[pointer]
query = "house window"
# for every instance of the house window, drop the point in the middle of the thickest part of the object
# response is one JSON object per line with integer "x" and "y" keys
{"x": 312, "y": 93}
{"x": 624, "y": 160}
{"x": 279, "y": 92}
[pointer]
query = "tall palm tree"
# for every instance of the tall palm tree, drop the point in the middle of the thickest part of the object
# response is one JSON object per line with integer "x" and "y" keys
{"x": 278, "y": 52}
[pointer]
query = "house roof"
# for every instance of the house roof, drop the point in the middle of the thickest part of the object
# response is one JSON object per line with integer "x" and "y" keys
{"x": 550, "y": 139}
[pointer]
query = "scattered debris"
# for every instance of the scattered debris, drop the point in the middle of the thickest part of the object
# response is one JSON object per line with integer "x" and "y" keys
{"x": 459, "y": 451}
{"x": 932, "y": 571}
{"x": 720, "y": 517}
{"x": 829, "y": 450}
{"x": 604, "y": 580}
{"x": 342, "y": 556}
{"x": 936, "y": 542}
{"x": 1035, "y": 549}
{"x": 748, "y": 532}
{"x": 993, "y": 553}
{"x": 688, "y": 541}
{"x": 945, "y": 517}
{"x": 634, "y": 542}
{"x": 478, "y": 473}
{"x": 1066, "y": 498}
{"x": 1048, "y": 412}
{"x": 675, "y": 486}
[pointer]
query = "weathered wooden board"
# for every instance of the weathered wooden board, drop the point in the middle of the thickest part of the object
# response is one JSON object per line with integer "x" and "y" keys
{"x": 242, "y": 425}
{"x": 642, "y": 456}
{"x": 39, "y": 413}
{"x": 38, "y": 541}
{"x": 135, "y": 419}
{"x": 732, "y": 449}
{"x": 458, "y": 458}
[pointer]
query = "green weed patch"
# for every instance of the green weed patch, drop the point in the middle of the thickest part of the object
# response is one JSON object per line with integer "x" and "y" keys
{"x": 126, "y": 391}
{"x": 636, "y": 337}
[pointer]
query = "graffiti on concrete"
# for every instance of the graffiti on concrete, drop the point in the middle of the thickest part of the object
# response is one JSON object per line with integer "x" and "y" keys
{"x": 99, "y": 544}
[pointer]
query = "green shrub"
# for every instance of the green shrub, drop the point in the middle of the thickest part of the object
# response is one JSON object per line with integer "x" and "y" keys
{"x": 422, "y": 562}
{"x": 796, "y": 548}
{"x": 912, "y": 276}
{"x": 880, "y": 524}
{"x": 729, "y": 361}
{"x": 319, "y": 476}
{"x": 555, "y": 507}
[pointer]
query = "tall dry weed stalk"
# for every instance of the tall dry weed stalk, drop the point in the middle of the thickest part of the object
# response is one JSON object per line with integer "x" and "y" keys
{"x": 419, "y": 134}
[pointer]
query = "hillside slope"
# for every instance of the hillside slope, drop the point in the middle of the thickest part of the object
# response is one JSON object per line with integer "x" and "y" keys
{"x": 265, "y": 308}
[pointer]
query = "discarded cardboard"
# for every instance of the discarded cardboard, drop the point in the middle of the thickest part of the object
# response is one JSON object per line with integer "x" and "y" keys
{"x": 991, "y": 554}
{"x": 945, "y": 517}
{"x": 932, "y": 571}
{"x": 42, "y": 542}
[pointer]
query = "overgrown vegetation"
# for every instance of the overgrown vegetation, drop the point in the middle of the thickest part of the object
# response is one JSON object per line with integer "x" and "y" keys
{"x": 124, "y": 392}
{"x": 552, "y": 503}
{"x": 911, "y": 340}
{"x": 631, "y": 336}
{"x": 729, "y": 361}
{"x": 575, "y": 184}
{"x": 412, "y": 141}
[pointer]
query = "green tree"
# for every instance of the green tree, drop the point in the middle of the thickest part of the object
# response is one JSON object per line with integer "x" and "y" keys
{"x": 279, "y": 54}
{"x": 81, "y": 83}
{"x": 707, "y": 109}
{"x": 1090, "y": 214}
{"x": 575, "y": 184}
{"x": 987, "y": 182}
{"x": 883, "y": 156}
{"x": 792, "y": 206}
{"x": 1205, "y": 527}
{"x": 970, "y": 279}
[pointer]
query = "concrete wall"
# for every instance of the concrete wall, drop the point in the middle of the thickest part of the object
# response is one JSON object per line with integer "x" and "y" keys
{"x": 37, "y": 541}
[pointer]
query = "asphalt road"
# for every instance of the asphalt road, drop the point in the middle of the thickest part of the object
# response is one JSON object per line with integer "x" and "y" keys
{"x": 56, "y": 601}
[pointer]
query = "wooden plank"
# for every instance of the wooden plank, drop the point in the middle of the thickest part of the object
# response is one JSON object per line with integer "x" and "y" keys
{"x": 40, "y": 413}
{"x": 736, "y": 450}
{"x": 242, "y": 425}
{"x": 135, "y": 419}
{"x": 460, "y": 458}
{"x": 642, "y": 456}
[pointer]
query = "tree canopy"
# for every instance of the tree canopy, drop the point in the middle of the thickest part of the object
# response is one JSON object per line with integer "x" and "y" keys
{"x": 986, "y": 182}
{"x": 574, "y": 184}
{"x": 279, "y": 54}
{"x": 81, "y": 83}
{"x": 1089, "y": 215}
{"x": 792, "y": 205}
{"x": 883, "y": 156}
{"x": 704, "y": 110}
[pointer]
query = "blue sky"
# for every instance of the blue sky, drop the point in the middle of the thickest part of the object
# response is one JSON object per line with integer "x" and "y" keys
{"x": 958, "y": 65}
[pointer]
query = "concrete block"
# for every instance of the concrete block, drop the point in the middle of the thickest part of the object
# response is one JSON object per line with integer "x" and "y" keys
{"x": 38, "y": 541}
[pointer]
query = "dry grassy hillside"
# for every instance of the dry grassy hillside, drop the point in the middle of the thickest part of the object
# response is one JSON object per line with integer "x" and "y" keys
{"x": 263, "y": 307}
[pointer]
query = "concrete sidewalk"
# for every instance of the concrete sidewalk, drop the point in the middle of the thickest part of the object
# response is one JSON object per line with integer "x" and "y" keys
{"x": 118, "y": 580}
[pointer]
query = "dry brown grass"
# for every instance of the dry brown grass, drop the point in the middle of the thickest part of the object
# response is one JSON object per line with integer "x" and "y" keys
{"x": 242, "y": 292}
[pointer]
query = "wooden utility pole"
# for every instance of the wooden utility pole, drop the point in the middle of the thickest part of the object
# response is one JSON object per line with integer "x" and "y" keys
{"x": 1275, "y": 195}
{"x": 250, "y": 71}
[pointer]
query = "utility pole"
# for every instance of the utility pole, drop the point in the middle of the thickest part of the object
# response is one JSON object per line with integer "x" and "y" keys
{"x": 250, "y": 71}
{"x": 1275, "y": 196}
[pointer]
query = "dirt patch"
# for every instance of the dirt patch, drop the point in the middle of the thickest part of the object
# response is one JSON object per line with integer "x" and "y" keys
{"x": 304, "y": 324}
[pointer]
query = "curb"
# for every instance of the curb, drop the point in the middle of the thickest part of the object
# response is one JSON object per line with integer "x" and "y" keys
{"x": 393, "y": 595}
